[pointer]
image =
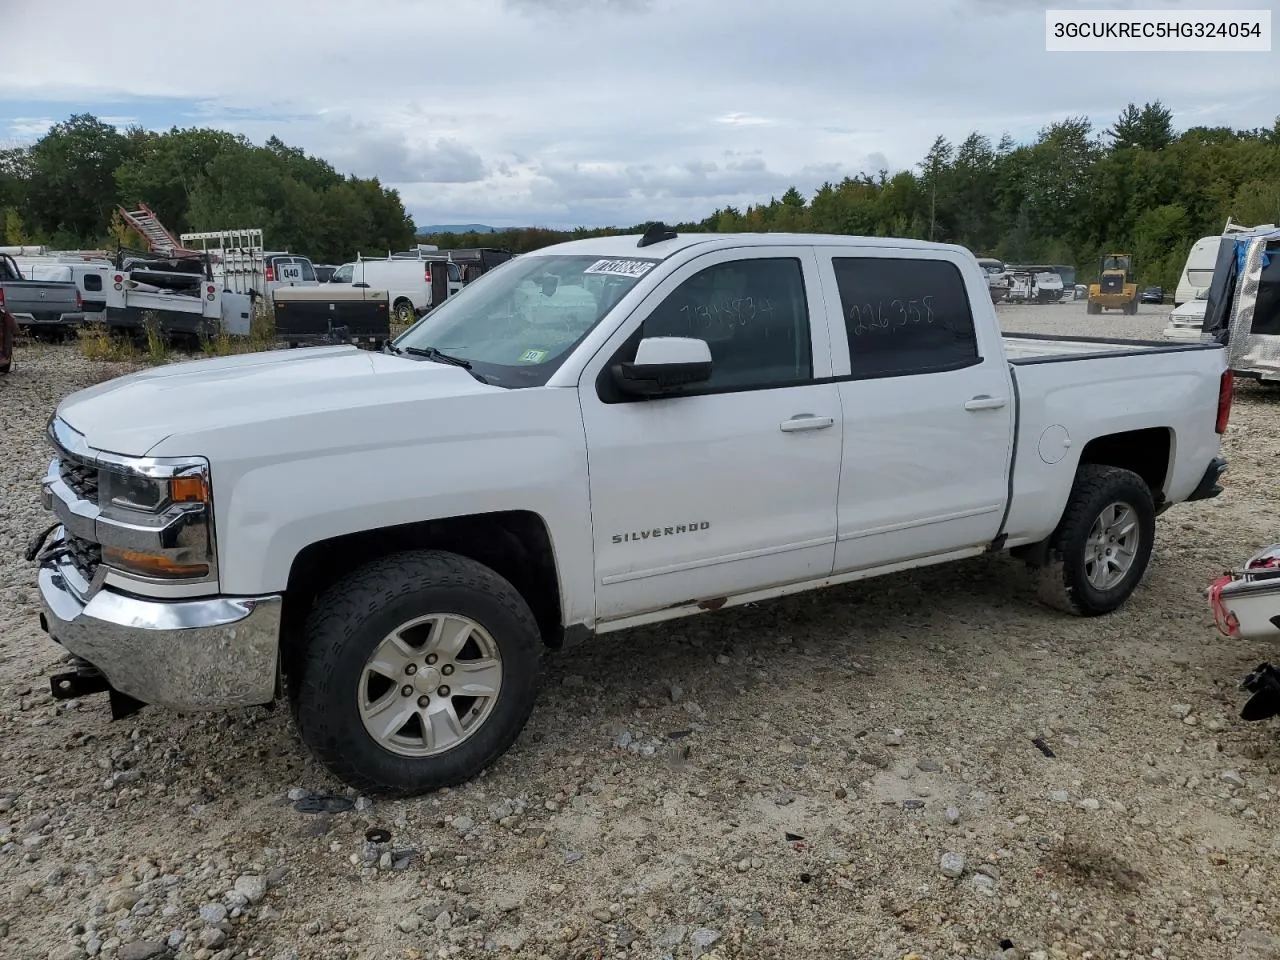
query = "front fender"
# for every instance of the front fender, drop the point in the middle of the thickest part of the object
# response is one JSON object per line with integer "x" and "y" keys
{"x": 274, "y": 494}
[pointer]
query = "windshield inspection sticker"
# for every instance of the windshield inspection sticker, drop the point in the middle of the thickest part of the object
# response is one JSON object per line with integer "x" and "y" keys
{"x": 533, "y": 356}
{"x": 621, "y": 268}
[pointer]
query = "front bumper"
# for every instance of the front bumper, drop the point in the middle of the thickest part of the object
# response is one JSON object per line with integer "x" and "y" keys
{"x": 211, "y": 653}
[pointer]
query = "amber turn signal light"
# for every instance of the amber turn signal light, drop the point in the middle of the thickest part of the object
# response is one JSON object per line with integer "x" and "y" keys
{"x": 152, "y": 565}
{"x": 188, "y": 490}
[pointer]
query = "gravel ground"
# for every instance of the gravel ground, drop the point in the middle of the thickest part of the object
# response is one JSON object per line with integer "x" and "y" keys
{"x": 849, "y": 773}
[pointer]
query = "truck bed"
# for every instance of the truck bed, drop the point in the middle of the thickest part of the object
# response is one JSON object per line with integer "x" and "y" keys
{"x": 1027, "y": 348}
{"x": 1151, "y": 399}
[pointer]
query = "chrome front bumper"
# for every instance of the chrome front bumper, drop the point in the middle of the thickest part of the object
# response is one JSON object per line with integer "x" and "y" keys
{"x": 211, "y": 653}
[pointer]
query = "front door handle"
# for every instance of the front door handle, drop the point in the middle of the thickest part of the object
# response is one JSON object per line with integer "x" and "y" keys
{"x": 805, "y": 421}
{"x": 985, "y": 402}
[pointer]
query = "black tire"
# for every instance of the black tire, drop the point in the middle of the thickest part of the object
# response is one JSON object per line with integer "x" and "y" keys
{"x": 1093, "y": 308}
{"x": 349, "y": 621}
{"x": 403, "y": 311}
{"x": 1065, "y": 582}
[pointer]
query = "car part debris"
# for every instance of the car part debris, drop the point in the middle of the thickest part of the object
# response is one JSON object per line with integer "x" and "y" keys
{"x": 324, "y": 803}
{"x": 1039, "y": 744}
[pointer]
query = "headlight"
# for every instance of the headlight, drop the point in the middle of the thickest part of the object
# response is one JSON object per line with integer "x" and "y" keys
{"x": 156, "y": 519}
{"x": 148, "y": 494}
{"x": 126, "y": 491}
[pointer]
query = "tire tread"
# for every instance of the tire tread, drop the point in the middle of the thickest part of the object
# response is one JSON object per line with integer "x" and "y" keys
{"x": 1058, "y": 584}
{"x": 337, "y": 617}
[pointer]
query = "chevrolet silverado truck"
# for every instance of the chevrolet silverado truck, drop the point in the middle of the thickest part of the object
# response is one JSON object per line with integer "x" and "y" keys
{"x": 601, "y": 434}
{"x": 45, "y": 302}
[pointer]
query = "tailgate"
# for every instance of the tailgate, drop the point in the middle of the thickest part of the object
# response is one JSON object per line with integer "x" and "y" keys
{"x": 311, "y": 314}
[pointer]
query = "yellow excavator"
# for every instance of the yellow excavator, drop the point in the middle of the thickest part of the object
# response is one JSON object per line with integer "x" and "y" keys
{"x": 1116, "y": 288}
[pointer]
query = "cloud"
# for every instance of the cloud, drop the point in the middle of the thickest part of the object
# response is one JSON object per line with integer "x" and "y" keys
{"x": 25, "y": 130}
{"x": 591, "y": 8}
{"x": 566, "y": 112}
{"x": 739, "y": 119}
{"x": 370, "y": 151}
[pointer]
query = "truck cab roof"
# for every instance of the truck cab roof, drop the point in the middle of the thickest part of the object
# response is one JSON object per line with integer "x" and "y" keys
{"x": 628, "y": 245}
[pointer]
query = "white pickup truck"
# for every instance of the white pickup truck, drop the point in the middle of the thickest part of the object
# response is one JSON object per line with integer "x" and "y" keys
{"x": 593, "y": 436}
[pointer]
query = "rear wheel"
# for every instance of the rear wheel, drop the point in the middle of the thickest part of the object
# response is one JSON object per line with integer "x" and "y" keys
{"x": 420, "y": 670}
{"x": 1101, "y": 548}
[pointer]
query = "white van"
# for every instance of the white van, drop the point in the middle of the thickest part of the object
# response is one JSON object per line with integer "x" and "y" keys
{"x": 1197, "y": 274}
{"x": 286, "y": 270}
{"x": 407, "y": 282}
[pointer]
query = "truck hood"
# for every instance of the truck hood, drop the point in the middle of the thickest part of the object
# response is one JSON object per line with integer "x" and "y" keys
{"x": 131, "y": 415}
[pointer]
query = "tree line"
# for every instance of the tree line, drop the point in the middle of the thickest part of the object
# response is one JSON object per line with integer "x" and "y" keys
{"x": 1070, "y": 196}
{"x": 1138, "y": 186}
{"x": 64, "y": 191}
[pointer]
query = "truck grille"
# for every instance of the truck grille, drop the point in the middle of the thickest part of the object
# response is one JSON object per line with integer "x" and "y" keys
{"x": 84, "y": 555}
{"x": 82, "y": 480}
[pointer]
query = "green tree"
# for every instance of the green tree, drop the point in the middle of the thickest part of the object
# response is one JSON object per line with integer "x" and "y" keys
{"x": 1148, "y": 128}
{"x": 71, "y": 191}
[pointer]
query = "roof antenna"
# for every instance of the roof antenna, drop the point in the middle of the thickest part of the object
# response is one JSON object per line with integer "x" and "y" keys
{"x": 656, "y": 232}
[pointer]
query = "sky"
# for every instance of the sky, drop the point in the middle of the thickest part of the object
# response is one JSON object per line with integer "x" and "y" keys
{"x": 564, "y": 113}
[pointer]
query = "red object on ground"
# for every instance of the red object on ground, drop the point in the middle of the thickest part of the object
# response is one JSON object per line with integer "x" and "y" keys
{"x": 8, "y": 336}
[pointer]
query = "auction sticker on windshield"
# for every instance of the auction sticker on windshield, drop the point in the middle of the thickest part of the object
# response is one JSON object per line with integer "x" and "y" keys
{"x": 533, "y": 356}
{"x": 621, "y": 268}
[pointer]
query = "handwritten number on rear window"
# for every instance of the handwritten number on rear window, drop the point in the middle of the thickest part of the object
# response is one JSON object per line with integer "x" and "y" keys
{"x": 889, "y": 314}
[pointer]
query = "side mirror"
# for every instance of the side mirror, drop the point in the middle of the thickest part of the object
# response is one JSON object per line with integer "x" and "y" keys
{"x": 664, "y": 365}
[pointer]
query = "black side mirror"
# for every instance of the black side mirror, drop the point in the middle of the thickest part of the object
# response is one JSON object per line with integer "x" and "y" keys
{"x": 664, "y": 365}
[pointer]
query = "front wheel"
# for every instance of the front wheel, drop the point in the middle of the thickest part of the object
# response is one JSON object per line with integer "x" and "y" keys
{"x": 404, "y": 312}
{"x": 1101, "y": 548}
{"x": 420, "y": 670}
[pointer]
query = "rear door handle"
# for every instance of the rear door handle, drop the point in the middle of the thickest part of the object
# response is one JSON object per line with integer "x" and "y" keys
{"x": 985, "y": 402}
{"x": 805, "y": 421}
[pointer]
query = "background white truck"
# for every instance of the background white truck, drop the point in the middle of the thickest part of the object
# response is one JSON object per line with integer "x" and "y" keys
{"x": 413, "y": 286}
{"x": 600, "y": 434}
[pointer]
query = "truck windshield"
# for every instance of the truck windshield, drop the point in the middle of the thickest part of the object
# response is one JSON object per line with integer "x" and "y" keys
{"x": 517, "y": 323}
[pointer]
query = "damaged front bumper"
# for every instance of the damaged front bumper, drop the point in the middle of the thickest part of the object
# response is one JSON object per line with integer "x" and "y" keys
{"x": 210, "y": 653}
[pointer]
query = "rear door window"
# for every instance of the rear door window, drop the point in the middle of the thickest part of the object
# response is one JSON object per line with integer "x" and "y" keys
{"x": 905, "y": 316}
{"x": 92, "y": 282}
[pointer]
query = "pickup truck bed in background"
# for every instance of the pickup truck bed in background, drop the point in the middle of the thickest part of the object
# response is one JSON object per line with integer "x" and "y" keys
{"x": 43, "y": 302}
